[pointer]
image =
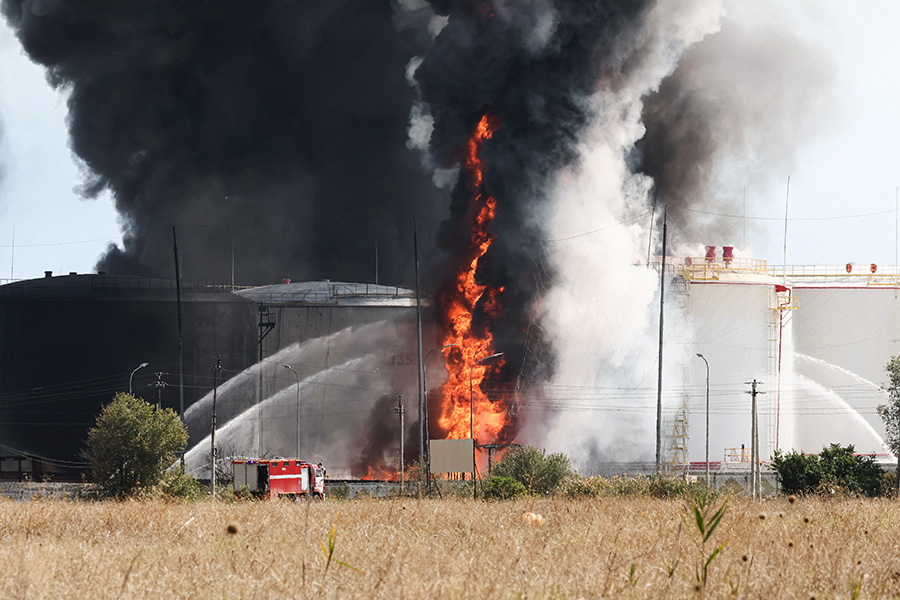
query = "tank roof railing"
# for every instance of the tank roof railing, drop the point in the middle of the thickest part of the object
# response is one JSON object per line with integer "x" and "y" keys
{"x": 125, "y": 281}
{"x": 856, "y": 270}
{"x": 332, "y": 295}
{"x": 59, "y": 288}
{"x": 702, "y": 269}
{"x": 366, "y": 289}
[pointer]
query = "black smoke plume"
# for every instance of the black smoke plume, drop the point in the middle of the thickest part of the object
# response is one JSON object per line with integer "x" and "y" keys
{"x": 533, "y": 65}
{"x": 378, "y": 439}
{"x": 737, "y": 107}
{"x": 276, "y": 127}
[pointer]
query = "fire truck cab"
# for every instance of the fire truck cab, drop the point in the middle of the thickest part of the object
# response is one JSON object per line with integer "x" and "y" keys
{"x": 274, "y": 478}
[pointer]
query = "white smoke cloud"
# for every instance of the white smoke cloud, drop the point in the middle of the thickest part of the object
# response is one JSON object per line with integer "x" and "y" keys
{"x": 535, "y": 21}
{"x": 436, "y": 24}
{"x": 421, "y": 124}
{"x": 600, "y": 312}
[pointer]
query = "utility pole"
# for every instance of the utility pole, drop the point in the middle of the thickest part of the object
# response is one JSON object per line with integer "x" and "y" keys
{"x": 266, "y": 325}
{"x": 212, "y": 436}
{"x": 662, "y": 305}
{"x": 159, "y": 384}
{"x": 180, "y": 340}
{"x": 754, "y": 445}
{"x": 400, "y": 411}
{"x": 420, "y": 362}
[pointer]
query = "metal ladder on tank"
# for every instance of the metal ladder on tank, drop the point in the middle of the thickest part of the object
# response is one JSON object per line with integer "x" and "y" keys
{"x": 677, "y": 458}
{"x": 778, "y": 303}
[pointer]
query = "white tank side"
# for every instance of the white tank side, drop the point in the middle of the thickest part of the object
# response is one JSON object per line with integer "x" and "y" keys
{"x": 857, "y": 329}
{"x": 844, "y": 338}
{"x": 730, "y": 323}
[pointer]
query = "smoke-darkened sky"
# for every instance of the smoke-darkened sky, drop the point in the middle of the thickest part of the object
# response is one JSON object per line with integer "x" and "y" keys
{"x": 846, "y": 170}
{"x": 278, "y": 129}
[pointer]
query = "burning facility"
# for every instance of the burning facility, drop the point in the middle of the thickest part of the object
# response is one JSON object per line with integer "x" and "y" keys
{"x": 528, "y": 147}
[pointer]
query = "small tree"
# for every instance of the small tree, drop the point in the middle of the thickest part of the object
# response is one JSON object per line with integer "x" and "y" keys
{"x": 502, "y": 488}
{"x": 856, "y": 474}
{"x": 890, "y": 412}
{"x": 533, "y": 468}
{"x": 836, "y": 466}
{"x": 797, "y": 473}
{"x": 132, "y": 445}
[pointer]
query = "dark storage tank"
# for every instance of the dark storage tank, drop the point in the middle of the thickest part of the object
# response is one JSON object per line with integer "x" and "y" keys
{"x": 68, "y": 344}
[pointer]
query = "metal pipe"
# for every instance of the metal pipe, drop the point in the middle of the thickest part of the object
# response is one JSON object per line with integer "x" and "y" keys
{"x": 662, "y": 305}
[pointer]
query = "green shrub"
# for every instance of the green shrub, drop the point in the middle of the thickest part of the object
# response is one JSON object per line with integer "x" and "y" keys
{"x": 673, "y": 487}
{"x": 796, "y": 472}
{"x": 178, "y": 484}
{"x": 835, "y": 469}
{"x": 502, "y": 488}
{"x": 857, "y": 474}
{"x": 653, "y": 486}
{"x": 533, "y": 468}
{"x": 576, "y": 486}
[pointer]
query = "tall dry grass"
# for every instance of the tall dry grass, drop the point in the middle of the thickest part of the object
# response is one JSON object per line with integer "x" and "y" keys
{"x": 404, "y": 548}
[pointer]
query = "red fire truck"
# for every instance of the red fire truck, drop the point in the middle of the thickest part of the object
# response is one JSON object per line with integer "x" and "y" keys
{"x": 276, "y": 477}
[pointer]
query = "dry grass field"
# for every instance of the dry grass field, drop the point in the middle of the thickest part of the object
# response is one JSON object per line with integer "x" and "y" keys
{"x": 406, "y": 548}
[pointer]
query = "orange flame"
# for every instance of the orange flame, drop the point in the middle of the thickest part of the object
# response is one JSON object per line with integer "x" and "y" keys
{"x": 479, "y": 418}
{"x": 380, "y": 474}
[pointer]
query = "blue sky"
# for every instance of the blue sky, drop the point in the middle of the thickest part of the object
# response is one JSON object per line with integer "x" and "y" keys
{"x": 53, "y": 225}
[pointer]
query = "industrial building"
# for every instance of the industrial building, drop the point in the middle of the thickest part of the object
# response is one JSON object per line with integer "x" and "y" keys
{"x": 815, "y": 338}
{"x": 69, "y": 343}
{"x": 317, "y": 368}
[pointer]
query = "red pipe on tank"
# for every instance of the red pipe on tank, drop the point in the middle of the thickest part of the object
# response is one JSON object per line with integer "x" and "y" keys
{"x": 710, "y": 254}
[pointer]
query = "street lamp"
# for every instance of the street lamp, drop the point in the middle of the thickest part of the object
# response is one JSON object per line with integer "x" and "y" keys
{"x": 472, "y": 414}
{"x": 131, "y": 378}
{"x": 291, "y": 369}
{"x": 707, "y": 417}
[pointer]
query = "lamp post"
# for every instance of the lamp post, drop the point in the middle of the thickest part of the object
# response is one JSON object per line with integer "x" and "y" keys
{"x": 425, "y": 411}
{"x": 707, "y": 417}
{"x": 472, "y": 415}
{"x": 217, "y": 368}
{"x": 291, "y": 369}
{"x": 131, "y": 378}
